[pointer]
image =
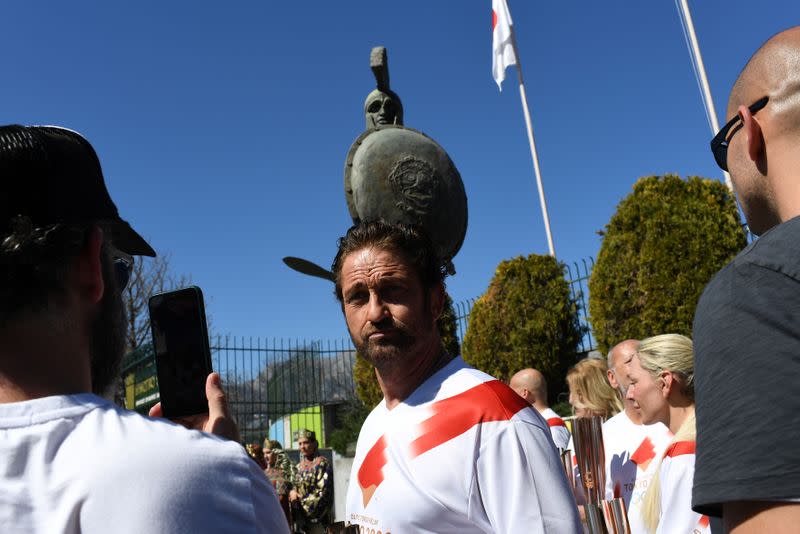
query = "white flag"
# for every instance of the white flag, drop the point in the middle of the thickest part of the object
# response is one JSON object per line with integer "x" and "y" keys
{"x": 502, "y": 50}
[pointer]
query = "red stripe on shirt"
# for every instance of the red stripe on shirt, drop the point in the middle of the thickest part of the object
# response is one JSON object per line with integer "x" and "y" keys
{"x": 644, "y": 453}
{"x": 490, "y": 401}
{"x": 556, "y": 421}
{"x": 370, "y": 474}
{"x": 679, "y": 448}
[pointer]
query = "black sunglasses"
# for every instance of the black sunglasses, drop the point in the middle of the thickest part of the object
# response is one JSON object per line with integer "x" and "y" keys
{"x": 123, "y": 264}
{"x": 719, "y": 145}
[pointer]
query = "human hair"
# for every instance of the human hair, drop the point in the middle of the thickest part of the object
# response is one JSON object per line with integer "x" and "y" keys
{"x": 651, "y": 502}
{"x": 407, "y": 240}
{"x": 34, "y": 265}
{"x": 272, "y": 444}
{"x": 673, "y": 353}
{"x": 587, "y": 381}
{"x": 669, "y": 352}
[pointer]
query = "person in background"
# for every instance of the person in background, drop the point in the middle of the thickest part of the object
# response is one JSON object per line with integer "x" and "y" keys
{"x": 255, "y": 452}
{"x": 589, "y": 391}
{"x": 661, "y": 376}
{"x": 312, "y": 496}
{"x": 280, "y": 472}
{"x": 531, "y": 385}
{"x": 747, "y": 322}
{"x": 632, "y": 449}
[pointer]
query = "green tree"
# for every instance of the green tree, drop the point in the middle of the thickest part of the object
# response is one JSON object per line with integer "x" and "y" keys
{"x": 527, "y": 318}
{"x": 367, "y": 387}
{"x": 661, "y": 247}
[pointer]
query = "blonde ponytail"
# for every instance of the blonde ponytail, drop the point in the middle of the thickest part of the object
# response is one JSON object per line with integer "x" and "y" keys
{"x": 651, "y": 505}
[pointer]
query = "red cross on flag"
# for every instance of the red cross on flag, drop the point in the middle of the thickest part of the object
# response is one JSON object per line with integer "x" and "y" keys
{"x": 502, "y": 41}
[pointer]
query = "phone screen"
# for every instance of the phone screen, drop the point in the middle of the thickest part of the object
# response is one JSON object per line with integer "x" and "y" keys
{"x": 183, "y": 359}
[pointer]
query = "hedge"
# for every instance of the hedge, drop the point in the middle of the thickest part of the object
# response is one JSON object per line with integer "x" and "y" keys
{"x": 659, "y": 250}
{"x": 526, "y": 318}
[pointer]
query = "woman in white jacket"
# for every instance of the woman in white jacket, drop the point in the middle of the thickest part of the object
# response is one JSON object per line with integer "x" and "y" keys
{"x": 662, "y": 386}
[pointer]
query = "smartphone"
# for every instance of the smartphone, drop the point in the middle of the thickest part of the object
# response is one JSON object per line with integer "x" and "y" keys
{"x": 183, "y": 356}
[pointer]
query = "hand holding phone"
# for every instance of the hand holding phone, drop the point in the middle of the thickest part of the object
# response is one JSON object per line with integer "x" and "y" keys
{"x": 218, "y": 420}
{"x": 183, "y": 356}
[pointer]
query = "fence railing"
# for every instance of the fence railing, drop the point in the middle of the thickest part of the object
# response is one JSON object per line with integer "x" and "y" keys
{"x": 277, "y": 387}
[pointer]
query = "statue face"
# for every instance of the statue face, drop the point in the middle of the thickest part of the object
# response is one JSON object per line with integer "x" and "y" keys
{"x": 381, "y": 109}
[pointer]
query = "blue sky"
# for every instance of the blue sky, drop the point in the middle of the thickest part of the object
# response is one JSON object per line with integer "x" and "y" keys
{"x": 223, "y": 128}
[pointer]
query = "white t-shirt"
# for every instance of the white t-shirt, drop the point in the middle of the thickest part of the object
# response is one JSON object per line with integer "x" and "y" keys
{"x": 558, "y": 429}
{"x": 632, "y": 453}
{"x": 677, "y": 471}
{"x": 462, "y": 454}
{"x": 79, "y": 464}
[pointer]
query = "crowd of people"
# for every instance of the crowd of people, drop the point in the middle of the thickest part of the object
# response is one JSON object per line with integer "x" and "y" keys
{"x": 449, "y": 449}
{"x": 305, "y": 489}
{"x": 644, "y": 392}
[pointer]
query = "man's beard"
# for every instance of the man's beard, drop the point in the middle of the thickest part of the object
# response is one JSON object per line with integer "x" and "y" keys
{"x": 384, "y": 354}
{"x": 107, "y": 340}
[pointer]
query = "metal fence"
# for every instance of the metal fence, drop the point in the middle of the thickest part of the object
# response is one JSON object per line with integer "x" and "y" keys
{"x": 274, "y": 387}
{"x": 278, "y": 386}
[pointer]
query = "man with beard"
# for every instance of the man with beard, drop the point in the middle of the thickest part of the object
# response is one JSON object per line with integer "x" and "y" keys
{"x": 70, "y": 461}
{"x": 449, "y": 449}
{"x": 747, "y": 323}
{"x": 632, "y": 449}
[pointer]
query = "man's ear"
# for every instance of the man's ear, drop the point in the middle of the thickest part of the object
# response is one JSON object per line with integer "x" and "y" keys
{"x": 437, "y": 301}
{"x": 89, "y": 268}
{"x": 612, "y": 380}
{"x": 754, "y": 137}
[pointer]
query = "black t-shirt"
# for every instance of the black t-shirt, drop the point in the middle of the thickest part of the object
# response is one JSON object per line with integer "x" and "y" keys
{"x": 747, "y": 376}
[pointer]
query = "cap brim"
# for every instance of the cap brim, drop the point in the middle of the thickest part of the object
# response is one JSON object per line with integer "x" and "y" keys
{"x": 127, "y": 240}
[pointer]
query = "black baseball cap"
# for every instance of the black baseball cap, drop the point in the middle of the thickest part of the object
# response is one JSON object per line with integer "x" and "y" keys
{"x": 52, "y": 175}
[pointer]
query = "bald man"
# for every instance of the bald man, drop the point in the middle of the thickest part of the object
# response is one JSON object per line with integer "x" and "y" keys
{"x": 531, "y": 386}
{"x": 747, "y": 323}
{"x": 632, "y": 449}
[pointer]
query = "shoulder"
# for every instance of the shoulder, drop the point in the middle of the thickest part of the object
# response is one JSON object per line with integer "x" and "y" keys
{"x": 680, "y": 448}
{"x": 173, "y": 468}
{"x": 321, "y": 462}
{"x": 678, "y": 461}
{"x": 487, "y": 396}
{"x": 777, "y": 250}
{"x": 775, "y": 255}
{"x": 155, "y": 451}
{"x": 460, "y": 389}
{"x": 147, "y": 433}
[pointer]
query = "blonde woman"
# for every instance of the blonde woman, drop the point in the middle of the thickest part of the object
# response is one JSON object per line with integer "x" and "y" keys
{"x": 661, "y": 376}
{"x": 589, "y": 391}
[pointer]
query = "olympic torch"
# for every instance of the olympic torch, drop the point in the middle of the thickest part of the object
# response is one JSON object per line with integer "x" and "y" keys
{"x": 602, "y": 516}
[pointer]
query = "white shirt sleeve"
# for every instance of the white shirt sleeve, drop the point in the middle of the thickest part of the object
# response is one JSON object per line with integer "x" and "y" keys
{"x": 519, "y": 484}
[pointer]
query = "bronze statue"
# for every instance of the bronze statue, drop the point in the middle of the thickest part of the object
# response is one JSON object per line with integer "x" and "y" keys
{"x": 382, "y": 105}
{"x": 400, "y": 175}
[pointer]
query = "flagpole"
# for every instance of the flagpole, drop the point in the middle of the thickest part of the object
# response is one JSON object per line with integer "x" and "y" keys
{"x": 532, "y": 143}
{"x": 706, "y": 90}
